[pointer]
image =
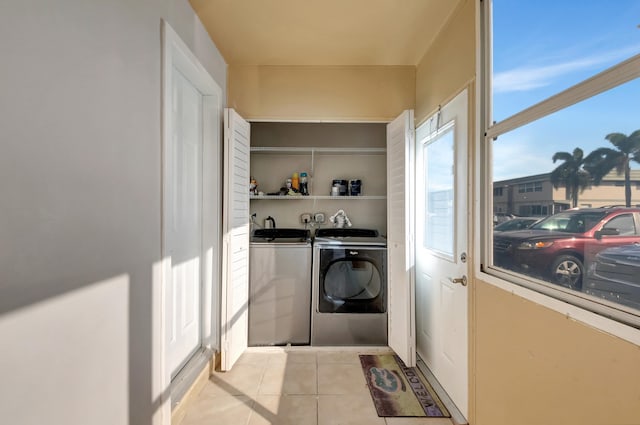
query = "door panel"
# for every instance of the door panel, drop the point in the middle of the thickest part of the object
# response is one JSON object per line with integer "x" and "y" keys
{"x": 400, "y": 279}
{"x": 235, "y": 279}
{"x": 183, "y": 231}
{"x": 425, "y": 317}
{"x": 441, "y": 239}
{"x": 448, "y": 308}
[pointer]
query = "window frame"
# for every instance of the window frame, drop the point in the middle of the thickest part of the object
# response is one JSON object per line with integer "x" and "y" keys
{"x": 602, "y": 314}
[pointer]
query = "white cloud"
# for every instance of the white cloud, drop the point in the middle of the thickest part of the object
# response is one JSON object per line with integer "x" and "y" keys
{"x": 523, "y": 79}
{"x": 529, "y": 78}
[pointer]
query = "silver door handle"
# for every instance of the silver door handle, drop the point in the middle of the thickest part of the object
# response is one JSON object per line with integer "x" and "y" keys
{"x": 461, "y": 280}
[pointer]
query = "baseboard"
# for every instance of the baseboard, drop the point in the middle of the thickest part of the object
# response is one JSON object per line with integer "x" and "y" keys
{"x": 179, "y": 409}
{"x": 217, "y": 361}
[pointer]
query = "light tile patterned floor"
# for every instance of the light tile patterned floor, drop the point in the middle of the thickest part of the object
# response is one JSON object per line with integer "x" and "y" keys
{"x": 292, "y": 386}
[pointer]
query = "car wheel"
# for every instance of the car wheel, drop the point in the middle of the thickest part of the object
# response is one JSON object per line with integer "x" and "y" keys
{"x": 567, "y": 270}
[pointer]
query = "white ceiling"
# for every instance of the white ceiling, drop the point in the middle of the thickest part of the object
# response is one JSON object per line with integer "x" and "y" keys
{"x": 326, "y": 32}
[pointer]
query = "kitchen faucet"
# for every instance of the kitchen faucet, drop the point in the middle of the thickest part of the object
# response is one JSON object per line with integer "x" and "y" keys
{"x": 254, "y": 223}
{"x": 339, "y": 219}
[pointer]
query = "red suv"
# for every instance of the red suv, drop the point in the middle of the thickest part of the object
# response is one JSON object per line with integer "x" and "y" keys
{"x": 558, "y": 247}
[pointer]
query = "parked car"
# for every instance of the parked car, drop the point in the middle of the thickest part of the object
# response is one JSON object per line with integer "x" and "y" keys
{"x": 557, "y": 247}
{"x": 501, "y": 217}
{"x": 518, "y": 223}
{"x": 615, "y": 275}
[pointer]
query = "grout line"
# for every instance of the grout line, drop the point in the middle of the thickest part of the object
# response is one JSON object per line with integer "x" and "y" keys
{"x": 317, "y": 375}
{"x": 317, "y": 390}
{"x": 265, "y": 365}
{"x": 251, "y": 410}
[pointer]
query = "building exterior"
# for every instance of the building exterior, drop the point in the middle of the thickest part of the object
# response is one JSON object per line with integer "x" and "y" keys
{"x": 536, "y": 196}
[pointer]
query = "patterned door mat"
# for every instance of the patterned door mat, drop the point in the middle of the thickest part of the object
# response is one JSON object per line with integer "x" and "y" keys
{"x": 398, "y": 390}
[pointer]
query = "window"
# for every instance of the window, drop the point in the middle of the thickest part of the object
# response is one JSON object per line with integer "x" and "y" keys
{"x": 622, "y": 225}
{"x": 439, "y": 193}
{"x": 533, "y": 210}
{"x": 560, "y": 94}
{"x": 497, "y": 191}
{"x": 530, "y": 187}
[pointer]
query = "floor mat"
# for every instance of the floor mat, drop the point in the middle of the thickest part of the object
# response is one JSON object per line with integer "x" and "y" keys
{"x": 398, "y": 390}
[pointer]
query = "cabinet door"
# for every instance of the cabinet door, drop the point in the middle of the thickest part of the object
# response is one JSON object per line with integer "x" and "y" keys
{"x": 400, "y": 236}
{"x": 235, "y": 278}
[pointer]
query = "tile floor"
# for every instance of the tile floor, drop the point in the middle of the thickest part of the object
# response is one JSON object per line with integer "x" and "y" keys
{"x": 297, "y": 386}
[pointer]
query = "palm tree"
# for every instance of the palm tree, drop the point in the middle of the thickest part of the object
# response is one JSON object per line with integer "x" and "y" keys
{"x": 601, "y": 161}
{"x": 570, "y": 174}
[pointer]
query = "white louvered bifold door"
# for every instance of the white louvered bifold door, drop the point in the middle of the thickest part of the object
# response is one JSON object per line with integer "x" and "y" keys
{"x": 235, "y": 278}
{"x": 400, "y": 181}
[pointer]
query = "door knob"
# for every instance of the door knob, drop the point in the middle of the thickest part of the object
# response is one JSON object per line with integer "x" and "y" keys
{"x": 461, "y": 280}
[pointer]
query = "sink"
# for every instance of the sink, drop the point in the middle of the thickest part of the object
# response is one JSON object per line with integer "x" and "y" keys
{"x": 345, "y": 232}
{"x": 281, "y": 233}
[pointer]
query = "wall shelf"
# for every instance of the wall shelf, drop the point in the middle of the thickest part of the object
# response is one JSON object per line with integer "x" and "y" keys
{"x": 317, "y": 150}
{"x": 312, "y": 197}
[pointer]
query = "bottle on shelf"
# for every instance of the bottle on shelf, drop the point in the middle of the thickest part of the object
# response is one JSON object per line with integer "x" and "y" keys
{"x": 295, "y": 182}
{"x": 304, "y": 185}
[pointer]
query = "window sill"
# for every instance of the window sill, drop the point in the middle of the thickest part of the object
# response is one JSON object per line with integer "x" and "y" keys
{"x": 571, "y": 311}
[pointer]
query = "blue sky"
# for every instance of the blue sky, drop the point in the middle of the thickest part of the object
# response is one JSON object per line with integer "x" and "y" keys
{"x": 542, "y": 47}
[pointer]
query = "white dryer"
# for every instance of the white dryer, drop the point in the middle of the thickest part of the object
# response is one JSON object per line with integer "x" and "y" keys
{"x": 349, "y": 288}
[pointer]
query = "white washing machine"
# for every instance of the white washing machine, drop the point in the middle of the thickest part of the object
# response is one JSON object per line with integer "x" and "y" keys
{"x": 349, "y": 288}
{"x": 279, "y": 287}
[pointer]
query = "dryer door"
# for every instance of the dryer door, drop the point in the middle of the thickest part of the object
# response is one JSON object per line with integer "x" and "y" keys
{"x": 352, "y": 280}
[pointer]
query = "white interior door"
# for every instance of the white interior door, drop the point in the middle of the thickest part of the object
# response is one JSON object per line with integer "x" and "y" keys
{"x": 441, "y": 247}
{"x": 400, "y": 276}
{"x": 235, "y": 279}
{"x": 183, "y": 224}
{"x": 186, "y": 299}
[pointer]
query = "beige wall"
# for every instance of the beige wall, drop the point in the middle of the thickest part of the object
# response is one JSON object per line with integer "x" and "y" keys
{"x": 535, "y": 366}
{"x": 340, "y": 93}
{"x": 606, "y": 194}
{"x": 449, "y": 64}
